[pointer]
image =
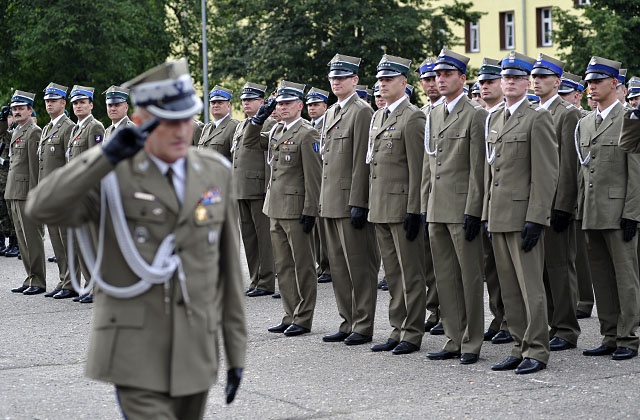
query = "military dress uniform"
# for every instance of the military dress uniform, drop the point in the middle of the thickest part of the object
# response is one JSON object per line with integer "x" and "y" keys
{"x": 88, "y": 132}
{"x": 6, "y": 225}
{"x": 218, "y": 135}
{"x": 110, "y": 131}
{"x": 116, "y": 94}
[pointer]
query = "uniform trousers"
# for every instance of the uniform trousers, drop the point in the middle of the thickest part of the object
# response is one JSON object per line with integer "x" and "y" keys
{"x": 296, "y": 275}
{"x": 354, "y": 258}
{"x": 458, "y": 268}
{"x": 583, "y": 270}
{"x": 523, "y": 295}
{"x": 142, "y": 404}
{"x": 254, "y": 227}
{"x": 561, "y": 283}
{"x": 58, "y": 238}
{"x": 499, "y": 322}
{"x": 404, "y": 269}
{"x": 433, "y": 304}
{"x": 320, "y": 249}
{"x": 614, "y": 266}
{"x": 31, "y": 243}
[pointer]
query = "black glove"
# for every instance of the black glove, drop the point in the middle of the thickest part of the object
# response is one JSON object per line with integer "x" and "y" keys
{"x": 359, "y": 217}
{"x": 307, "y": 222}
{"x": 560, "y": 220}
{"x": 423, "y": 216}
{"x": 530, "y": 233}
{"x": 471, "y": 226}
{"x": 412, "y": 225}
{"x": 4, "y": 113}
{"x": 234, "y": 376}
{"x": 127, "y": 141}
{"x": 629, "y": 229}
{"x": 264, "y": 112}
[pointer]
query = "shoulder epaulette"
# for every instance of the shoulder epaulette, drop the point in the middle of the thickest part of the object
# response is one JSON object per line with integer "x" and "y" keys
{"x": 569, "y": 106}
{"x": 538, "y": 108}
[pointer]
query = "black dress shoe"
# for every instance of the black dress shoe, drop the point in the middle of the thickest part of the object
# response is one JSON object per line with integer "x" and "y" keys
{"x": 388, "y": 346}
{"x": 601, "y": 350}
{"x": 52, "y": 259}
{"x": 77, "y": 298}
{"x": 356, "y": 339}
{"x": 443, "y": 355}
{"x": 510, "y": 363}
{"x": 259, "y": 292}
{"x": 624, "y": 353}
{"x": 502, "y": 337}
{"x": 489, "y": 334}
{"x": 428, "y": 325}
{"x": 530, "y": 365}
{"x": 582, "y": 314}
{"x": 382, "y": 285}
{"x": 34, "y": 290}
{"x": 87, "y": 298}
{"x": 335, "y": 338}
{"x": 559, "y": 344}
{"x": 280, "y": 328}
{"x": 324, "y": 278}
{"x": 19, "y": 289}
{"x": 405, "y": 347}
{"x": 12, "y": 252}
{"x": 52, "y": 293}
{"x": 276, "y": 295}
{"x": 65, "y": 294}
{"x": 469, "y": 358}
{"x": 438, "y": 329}
{"x": 246, "y": 292}
{"x": 295, "y": 330}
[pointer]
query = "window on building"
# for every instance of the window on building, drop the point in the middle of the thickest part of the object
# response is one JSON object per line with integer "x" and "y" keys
{"x": 543, "y": 27}
{"x": 507, "y": 31}
{"x": 472, "y": 37}
{"x": 581, "y": 2}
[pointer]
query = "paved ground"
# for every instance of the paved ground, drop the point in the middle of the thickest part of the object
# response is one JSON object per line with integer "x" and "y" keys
{"x": 44, "y": 342}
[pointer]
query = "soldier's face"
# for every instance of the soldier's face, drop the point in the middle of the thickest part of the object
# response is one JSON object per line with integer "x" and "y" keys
{"x": 392, "y": 88}
{"x": 117, "y": 111}
{"x": 478, "y": 98}
{"x": 82, "y": 108}
{"x": 316, "y": 109}
{"x": 289, "y": 111}
{"x": 602, "y": 90}
{"x": 490, "y": 90}
{"x": 621, "y": 93}
{"x": 430, "y": 88}
{"x": 450, "y": 83}
{"x": 54, "y": 107}
{"x": 219, "y": 109}
{"x": 21, "y": 113}
{"x": 514, "y": 87}
{"x": 170, "y": 140}
{"x": 380, "y": 102}
{"x": 251, "y": 106}
{"x": 545, "y": 85}
{"x": 634, "y": 101}
{"x": 343, "y": 87}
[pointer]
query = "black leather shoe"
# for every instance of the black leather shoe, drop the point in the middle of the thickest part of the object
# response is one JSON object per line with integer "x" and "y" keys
{"x": 276, "y": 295}
{"x": 19, "y": 289}
{"x": 382, "y": 285}
{"x": 443, "y": 355}
{"x": 65, "y": 294}
{"x": 469, "y": 358}
{"x": 77, "y": 298}
{"x": 601, "y": 350}
{"x": 52, "y": 293}
{"x": 582, "y": 314}
{"x": 12, "y": 252}
{"x": 405, "y": 347}
{"x": 246, "y": 292}
{"x": 52, "y": 259}
{"x": 559, "y": 344}
{"x": 510, "y": 363}
{"x": 624, "y": 353}
{"x": 280, "y": 328}
{"x": 295, "y": 330}
{"x": 437, "y": 330}
{"x": 87, "y": 299}
{"x": 34, "y": 290}
{"x": 530, "y": 365}
{"x": 489, "y": 334}
{"x": 428, "y": 325}
{"x": 259, "y": 292}
{"x": 388, "y": 346}
{"x": 324, "y": 278}
{"x": 356, "y": 339}
{"x": 335, "y": 338}
{"x": 502, "y": 337}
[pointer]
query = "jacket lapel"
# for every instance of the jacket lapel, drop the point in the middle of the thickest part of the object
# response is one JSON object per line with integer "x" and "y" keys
{"x": 393, "y": 117}
{"x": 152, "y": 181}
{"x": 609, "y": 120}
{"x": 454, "y": 115}
{"x": 514, "y": 120}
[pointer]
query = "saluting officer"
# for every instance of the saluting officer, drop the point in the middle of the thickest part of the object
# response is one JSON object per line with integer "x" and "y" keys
{"x": 6, "y": 225}
{"x": 117, "y": 109}
{"x": 344, "y": 203}
{"x": 454, "y": 150}
{"x": 217, "y": 135}
{"x": 88, "y": 132}
{"x": 522, "y": 154}
{"x": 611, "y": 212}
{"x": 395, "y": 154}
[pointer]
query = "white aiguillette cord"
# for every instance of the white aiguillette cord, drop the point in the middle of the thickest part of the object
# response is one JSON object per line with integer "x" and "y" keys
{"x": 160, "y": 271}
{"x": 576, "y": 135}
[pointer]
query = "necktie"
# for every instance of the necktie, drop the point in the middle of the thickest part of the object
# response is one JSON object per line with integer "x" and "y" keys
{"x": 507, "y": 114}
{"x": 446, "y": 110}
{"x": 337, "y": 111}
{"x": 74, "y": 131}
{"x": 385, "y": 115}
{"x": 598, "y": 121}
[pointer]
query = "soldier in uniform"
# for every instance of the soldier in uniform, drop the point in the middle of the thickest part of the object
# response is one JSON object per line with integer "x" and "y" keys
{"x": 291, "y": 203}
{"x": 218, "y": 134}
{"x": 571, "y": 90}
{"x": 428, "y": 83}
{"x": 611, "y": 212}
{"x": 522, "y": 154}
{"x": 621, "y": 88}
{"x": 88, "y": 132}
{"x": 491, "y": 92}
{"x": 157, "y": 344}
{"x": 633, "y": 92}
{"x": 250, "y": 170}
{"x": 117, "y": 110}
{"x": 344, "y": 204}
{"x": 476, "y": 95}
{"x": 363, "y": 93}
{"x": 560, "y": 277}
{"x": 394, "y": 154}
{"x": 454, "y": 150}
{"x": 22, "y": 177}
{"x": 379, "y": 100}
{"x": 6, "y": 225}
{"x": 317, "y": 100}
